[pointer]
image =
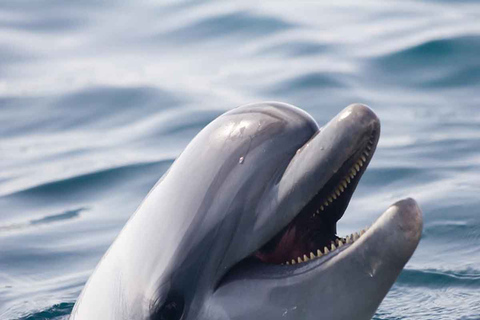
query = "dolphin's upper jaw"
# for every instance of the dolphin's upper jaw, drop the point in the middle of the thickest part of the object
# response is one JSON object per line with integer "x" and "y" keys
{"x": 312, "y": 233}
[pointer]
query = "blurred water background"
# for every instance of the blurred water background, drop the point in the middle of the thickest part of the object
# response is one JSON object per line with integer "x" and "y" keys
{"x": 98, "y": 98}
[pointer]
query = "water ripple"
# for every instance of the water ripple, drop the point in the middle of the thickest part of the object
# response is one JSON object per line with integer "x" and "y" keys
{"x": 435, "y": 64}
{"x": 310, "y": 81}
{"x": 97, "y": 99}
{"x": 57, "y": 312}
{"x": 89, "y": 182}
{"x": 436, "y": 279}
{"x": 293, "y": 49}
{"x": 89, "y": 108}
{"x": 244, "y": 24}
{"x": 67, "y": 215}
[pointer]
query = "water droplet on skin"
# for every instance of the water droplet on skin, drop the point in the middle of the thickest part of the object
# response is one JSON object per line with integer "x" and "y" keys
{"x": 240, "y": 160}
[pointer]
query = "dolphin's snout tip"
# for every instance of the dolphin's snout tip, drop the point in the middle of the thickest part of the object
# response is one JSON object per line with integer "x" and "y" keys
{"x": 409, "y": 219}
{"x": 362, "y": 110}
{"x": 398, "y": 230}
{"x": 361, "y": 113}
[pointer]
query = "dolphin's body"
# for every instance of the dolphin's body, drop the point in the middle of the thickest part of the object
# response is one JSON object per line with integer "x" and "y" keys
{"x": 243, "y": 226}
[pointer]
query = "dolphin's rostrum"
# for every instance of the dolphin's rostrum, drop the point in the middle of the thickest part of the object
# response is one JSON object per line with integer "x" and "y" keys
{"x": 243, "y": 226}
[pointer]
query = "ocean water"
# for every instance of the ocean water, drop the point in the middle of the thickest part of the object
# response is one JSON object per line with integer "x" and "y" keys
{"x": 97, "y": 99}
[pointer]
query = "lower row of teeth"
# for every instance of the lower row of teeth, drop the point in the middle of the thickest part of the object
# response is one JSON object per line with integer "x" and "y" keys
{"x": 334, "y": 245}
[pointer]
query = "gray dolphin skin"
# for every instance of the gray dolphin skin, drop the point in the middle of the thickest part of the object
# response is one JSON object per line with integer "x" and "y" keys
{"x": 243, "y": 226}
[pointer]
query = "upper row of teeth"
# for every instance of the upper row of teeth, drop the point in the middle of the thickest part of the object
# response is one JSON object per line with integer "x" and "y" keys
{"x": 336, "y": 193}
{"x": 342, "y": 186}
{"x": 333, "y": 246}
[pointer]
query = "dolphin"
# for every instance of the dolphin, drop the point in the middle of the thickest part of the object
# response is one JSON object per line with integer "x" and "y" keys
{"x": 243, "y": 226}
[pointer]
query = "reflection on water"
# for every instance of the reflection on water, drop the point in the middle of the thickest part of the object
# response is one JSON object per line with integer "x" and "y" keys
{"x": 97, "y": 100}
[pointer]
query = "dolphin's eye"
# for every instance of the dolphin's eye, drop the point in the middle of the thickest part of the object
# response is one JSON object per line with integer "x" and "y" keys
{"x": 172, "y": 308}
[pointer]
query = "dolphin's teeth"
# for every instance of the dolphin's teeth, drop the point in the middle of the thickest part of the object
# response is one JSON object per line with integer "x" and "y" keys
{"x": 355, "y": 236}
{"x": 321, "y": 208}
{"x": 366, "y": 153}
{"x": 369, "y": 148}
{"x": 357, "y": 167}
{"x": 325, "y": 250}
{"x": 340, "y": 243}
{"x": 340, "y": 187}
{"x": 312, "y": 255}
{"x": 299, "y": 259}
{"x": 348, "y": 179}
{"x": 330, "y": 199}
{"x": 293, "y": 261}
{"x": 337, "y": 192}
{"x": 348, "y": 239}
{"x": 319, "y": 253}
{"x": 288, "y": 262}
{"x": 360, "y": 162}
{"x": 363, "y": 158}
{"x": 325, "y": 203}
{"x": 305, "y": 258}
{"x": 333, "y": 246}
{"x": 344, "y": 183}
{"x": 334, "y": 196}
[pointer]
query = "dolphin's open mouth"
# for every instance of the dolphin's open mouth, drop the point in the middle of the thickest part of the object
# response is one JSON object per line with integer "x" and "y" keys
{"x": 312, "y": 233}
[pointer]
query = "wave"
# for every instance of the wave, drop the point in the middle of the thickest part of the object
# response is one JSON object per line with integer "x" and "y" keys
{"x": 57, "y": 312}
{"x": 309, "y": 81}
{"x": 89, "y": 108}
{"x": 436, "y": 279}
{"x": 66, "y": 215}
{"x": 293, "y": 49}
{"x": 433, "y": 53}
{"x": 464, "y": 227}
{"x": 91, "y": 182}
{"x": 441, "y": 63}
{"x": 244, "y": 24}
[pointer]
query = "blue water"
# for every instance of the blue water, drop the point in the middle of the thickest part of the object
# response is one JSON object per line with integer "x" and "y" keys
{"x": 97, "y": 99}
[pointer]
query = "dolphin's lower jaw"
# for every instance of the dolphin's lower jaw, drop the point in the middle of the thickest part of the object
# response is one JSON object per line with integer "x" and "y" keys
{"x": 400, "y": 225}
{"x": 349, "y": 282}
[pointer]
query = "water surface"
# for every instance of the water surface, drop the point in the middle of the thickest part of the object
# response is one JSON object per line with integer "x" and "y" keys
{"x": 98, "y": 99}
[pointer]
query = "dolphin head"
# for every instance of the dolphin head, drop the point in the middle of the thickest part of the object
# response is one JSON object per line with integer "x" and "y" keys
{"x": 243, "y": 226}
